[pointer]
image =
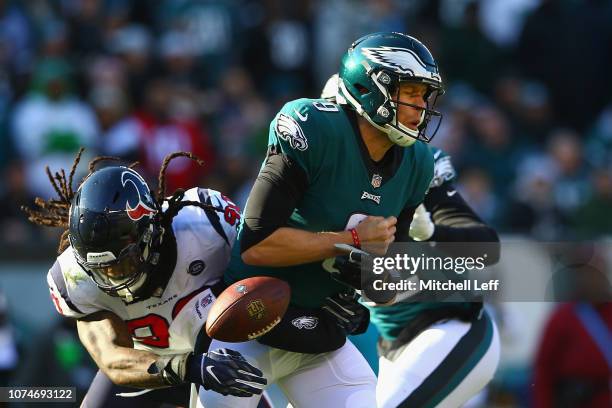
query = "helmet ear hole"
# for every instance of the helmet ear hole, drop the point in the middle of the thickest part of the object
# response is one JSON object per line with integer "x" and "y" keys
{"x": 362, "y": 89}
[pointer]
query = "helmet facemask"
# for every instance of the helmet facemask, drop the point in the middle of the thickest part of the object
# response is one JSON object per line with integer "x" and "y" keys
{"x": 125, "y": 275}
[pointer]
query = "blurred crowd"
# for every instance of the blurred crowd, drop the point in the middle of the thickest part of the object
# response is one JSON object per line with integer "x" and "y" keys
{"x": 527, "y": 113}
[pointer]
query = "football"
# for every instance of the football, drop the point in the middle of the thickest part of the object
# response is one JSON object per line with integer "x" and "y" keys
{"x": 248, "y": 309}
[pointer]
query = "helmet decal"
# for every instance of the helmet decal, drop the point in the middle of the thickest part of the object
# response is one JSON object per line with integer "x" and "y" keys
{"x": 400, "y": 60}
{"x": 141, "y": 209}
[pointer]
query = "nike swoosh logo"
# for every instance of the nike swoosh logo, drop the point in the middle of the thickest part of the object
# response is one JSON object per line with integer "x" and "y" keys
{"x": 210, "y": 371}
{"x": 299, "y": 115}
{"x": 451, "y": 193}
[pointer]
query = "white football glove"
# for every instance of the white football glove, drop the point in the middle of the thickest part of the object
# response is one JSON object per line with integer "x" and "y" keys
{"x": 421, "y": 227}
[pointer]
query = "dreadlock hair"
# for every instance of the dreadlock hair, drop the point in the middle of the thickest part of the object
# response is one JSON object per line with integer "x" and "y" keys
{"x": 55, "y": 212}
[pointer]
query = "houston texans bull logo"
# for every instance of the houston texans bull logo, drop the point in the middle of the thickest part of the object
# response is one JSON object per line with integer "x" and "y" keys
{"x": 141, "y": 208}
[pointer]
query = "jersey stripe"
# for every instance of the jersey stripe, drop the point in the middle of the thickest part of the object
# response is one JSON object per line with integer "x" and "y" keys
{"x": 60, "y": 284}
{"x": 212, "y": 215}
{"x": 182, "y": 302}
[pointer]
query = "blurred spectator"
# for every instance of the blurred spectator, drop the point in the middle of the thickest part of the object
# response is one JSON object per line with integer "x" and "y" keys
{"x": 502, "y": 20}
{"x": 133, "y": 45}
{"x": 54, "y": 39}
{"x": 571, "y": 187}
{"x": 86, "y": 25}
{"x": 532, "y": 209}
{"x": 50, "y": 124}
{"x": 242, "y": 121}
{"x": 9, "y": 356}
{"x": 527, "y": 104}
{"x": 592, "y": 219}
{"x": 458, "y": 105}
{"x": 467, "y": 54}
{"x": 16, "y": 42}
{"x": 282, "y": 47}
{"x": 570, "y": 368}
{"x": 178, "y": 55}
{"x": 493, "y": 148}
{"x": 599, "y": 143}
{"x": 111, "y": 105}
{"x": 574, "y": 360}
{"x": 475, "y": 186}
{"x": 14, "y": 228}
{"x": 558, "y": 39}
{"x": 210, "y": 31}
{"x": 164, "y": 124}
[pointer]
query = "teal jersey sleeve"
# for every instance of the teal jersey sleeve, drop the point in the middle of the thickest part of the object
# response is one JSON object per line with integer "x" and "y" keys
{"x": 297, "y": 131}
{"x": 444, "y": 171}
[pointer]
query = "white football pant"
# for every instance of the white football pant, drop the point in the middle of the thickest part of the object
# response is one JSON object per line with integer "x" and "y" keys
{"x": 338, "y": 379}
{"x": 444, "y": 366}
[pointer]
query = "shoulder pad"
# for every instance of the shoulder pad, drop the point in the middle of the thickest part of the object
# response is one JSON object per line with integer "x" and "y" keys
{"x": 73, "y": 293}
{"x": 298, "y": 122}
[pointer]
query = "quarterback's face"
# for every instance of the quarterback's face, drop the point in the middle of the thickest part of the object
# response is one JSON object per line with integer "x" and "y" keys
{"x": 414, "y": 94}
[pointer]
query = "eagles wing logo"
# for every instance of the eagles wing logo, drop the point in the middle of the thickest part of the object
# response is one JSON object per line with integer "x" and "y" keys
{"x": 443, "y": 172}
{"x": 141, "y": 209}
{"x": 290, "y": 131}
{"x": 400, "y": 60}
{"x": 305, "y": 322}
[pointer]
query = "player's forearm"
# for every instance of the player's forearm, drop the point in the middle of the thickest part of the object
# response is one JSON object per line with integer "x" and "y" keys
{"x": 107, "y": 339}
{"x": 130, "y": 368}
{"x": 290, "y": 246}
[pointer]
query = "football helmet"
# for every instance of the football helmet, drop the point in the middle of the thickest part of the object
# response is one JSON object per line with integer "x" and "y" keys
{"x": 369, "y": 77}
{"x": 114, "y": 231}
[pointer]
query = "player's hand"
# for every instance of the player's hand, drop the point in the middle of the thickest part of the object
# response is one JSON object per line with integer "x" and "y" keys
{"x": 349, "y": 314}
{"x": 226, "y": 372}
{"x": 376, "y": 233}
{"x": 346, "y": 269}
{"x": 421, "y": 227}
{"x": 355, "y": 270}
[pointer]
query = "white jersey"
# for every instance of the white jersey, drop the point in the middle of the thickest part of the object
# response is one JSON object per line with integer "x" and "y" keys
{"x": 170, "y": 323}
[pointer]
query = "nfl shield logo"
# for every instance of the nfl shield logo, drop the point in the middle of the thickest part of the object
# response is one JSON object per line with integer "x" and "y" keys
{"x": 256, "y": 309}
{"x": 376, "y": 181}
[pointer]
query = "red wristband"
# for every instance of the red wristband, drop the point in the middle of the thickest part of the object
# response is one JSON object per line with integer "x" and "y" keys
{"x": 356, "y": 241}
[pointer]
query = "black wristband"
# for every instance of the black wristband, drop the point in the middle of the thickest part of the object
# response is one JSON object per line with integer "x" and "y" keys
{"x": 193, "y": 371}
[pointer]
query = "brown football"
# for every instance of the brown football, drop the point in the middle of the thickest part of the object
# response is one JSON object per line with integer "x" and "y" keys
{"x": 248, "y": 309}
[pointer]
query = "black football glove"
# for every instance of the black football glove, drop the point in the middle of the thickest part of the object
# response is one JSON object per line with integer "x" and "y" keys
{"x": 349, "y": 314}
{"x": 355, "y": 269}
{"x": 347, "y": 268}
{"x": 226, "y": 372}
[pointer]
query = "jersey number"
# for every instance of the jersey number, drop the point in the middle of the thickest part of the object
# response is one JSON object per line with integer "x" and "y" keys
{"x": 326, "y": 107}
{"x": 231, "y": 212}
{"x": 151, "y": 330}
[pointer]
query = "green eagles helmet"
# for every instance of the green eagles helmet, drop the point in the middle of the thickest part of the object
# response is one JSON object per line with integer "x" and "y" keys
{"x": 369, "y": 76}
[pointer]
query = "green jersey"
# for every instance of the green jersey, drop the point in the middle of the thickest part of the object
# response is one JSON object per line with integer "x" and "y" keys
{"x": 343, "y": 187}
{"x": 390, "y": 320}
